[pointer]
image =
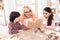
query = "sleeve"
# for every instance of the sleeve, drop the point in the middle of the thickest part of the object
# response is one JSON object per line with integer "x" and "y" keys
{"x": 24, "y": 27}
{"x": 19, "y": 26}
{"x": 10, "y": 26}
{"x": 34, "y": 17}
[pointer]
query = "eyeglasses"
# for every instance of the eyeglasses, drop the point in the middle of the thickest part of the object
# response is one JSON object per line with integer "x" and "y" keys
{"x": 45, "y": 13}
{"x": 28, "y": 11}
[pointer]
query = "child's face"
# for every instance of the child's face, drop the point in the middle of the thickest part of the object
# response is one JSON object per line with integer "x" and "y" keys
{"x": 17, "y": 19}
{"x": 46, "y": 14}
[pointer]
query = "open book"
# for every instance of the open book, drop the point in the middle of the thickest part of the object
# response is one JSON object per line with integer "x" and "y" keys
{"x": 35, "y": 24}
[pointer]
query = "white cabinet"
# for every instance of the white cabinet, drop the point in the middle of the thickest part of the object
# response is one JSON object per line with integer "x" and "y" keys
{"x": 41, "y": 5}
{"x": 2, "y": 13}
{"x": 21, "y": 3}
{"x": 2, "y": 17}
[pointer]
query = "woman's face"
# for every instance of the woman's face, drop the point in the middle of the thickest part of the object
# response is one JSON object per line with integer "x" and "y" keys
{"x": 27, "y": 12}
{"x": 46, "y": 14}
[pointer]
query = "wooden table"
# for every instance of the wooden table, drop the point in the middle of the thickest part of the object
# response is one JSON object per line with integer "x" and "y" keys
{"x": 28, "y": 35}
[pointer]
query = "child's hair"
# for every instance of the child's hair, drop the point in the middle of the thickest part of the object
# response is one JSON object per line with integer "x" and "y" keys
{"x": 48, "y": 9}
{"x": 14, "y": 15}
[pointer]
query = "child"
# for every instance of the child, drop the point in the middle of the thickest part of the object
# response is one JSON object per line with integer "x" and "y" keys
{"x": 47, "y": 19}
{"x": 14, "y": 24}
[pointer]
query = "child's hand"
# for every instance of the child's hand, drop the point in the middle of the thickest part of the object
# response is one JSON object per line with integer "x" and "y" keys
{"x": 25, "y": 28}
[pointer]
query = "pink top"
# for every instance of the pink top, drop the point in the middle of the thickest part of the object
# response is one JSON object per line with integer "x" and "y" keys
{"x": 25, "y": 21}
{"x": 45, "y": 23}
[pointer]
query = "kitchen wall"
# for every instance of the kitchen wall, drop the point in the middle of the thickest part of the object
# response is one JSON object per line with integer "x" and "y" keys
{"x": 41, "y": 5}
{"x": 10, "y": 5}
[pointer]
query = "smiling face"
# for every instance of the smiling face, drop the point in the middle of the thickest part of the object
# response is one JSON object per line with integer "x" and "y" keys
{"x": 46, "y": 14}
{"x": 27, "y": 12}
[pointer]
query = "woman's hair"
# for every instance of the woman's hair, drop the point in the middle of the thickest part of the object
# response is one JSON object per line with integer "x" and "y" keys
{"x": 27, "y": 7}
{"x": 48, "y": 9}
{"x": 13, "y": 15}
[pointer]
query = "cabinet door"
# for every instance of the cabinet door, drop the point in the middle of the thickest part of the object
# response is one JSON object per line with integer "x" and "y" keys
{"x": 2, "y": 15}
